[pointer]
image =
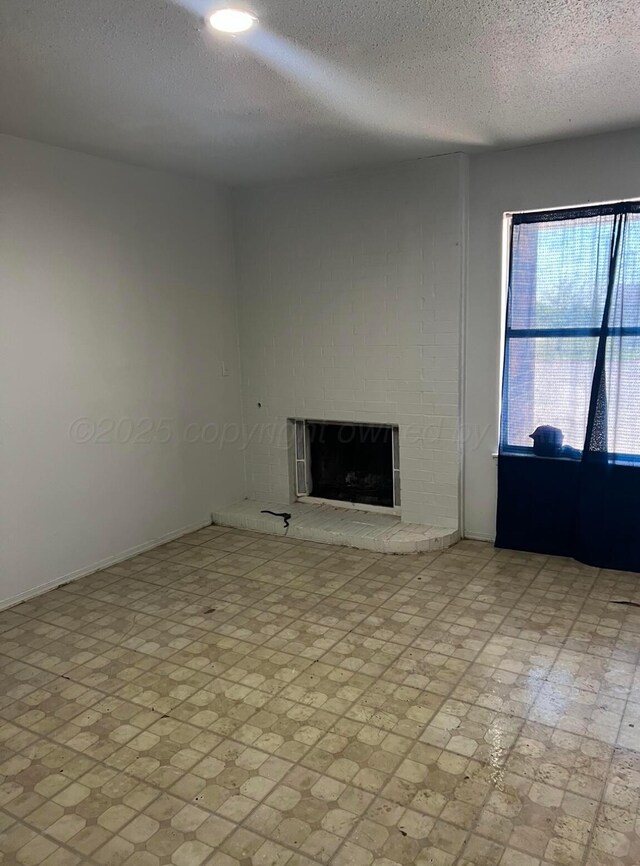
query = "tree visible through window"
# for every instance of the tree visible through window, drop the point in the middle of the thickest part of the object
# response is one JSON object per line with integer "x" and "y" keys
{"x": 572, "y": 348}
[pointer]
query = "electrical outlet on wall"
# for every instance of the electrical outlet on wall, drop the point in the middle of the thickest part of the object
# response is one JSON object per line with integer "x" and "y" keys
{"x": 224, "y": 369}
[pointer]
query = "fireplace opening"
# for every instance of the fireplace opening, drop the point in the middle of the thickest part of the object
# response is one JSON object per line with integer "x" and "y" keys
{"x": 351, "y": 463}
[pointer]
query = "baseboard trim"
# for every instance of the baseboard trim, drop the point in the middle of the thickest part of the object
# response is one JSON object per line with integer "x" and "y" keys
{"x": 104, "y": 563}
{"x": 477, "y": 536}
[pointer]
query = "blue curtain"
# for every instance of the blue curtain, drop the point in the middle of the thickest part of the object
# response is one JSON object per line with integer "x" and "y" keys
{"x": 569, "y": 457}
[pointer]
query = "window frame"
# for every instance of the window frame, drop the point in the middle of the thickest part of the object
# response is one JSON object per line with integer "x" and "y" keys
{"x": 508, "y": 333}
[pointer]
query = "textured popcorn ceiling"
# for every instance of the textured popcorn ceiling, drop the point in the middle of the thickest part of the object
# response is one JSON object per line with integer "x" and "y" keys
{"x": 325, "y": 85}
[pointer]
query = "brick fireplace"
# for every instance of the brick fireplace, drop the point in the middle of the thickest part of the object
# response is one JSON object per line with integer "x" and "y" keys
{"x": 350, "y": 297}
{"x": 349, "y": 464}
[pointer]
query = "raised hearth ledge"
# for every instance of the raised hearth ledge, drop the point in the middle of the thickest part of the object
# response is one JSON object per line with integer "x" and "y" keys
{"x": 383, "y": 533}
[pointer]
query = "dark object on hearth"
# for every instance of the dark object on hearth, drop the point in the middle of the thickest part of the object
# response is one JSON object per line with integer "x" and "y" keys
{"x": 283, "y": 514}
{"x": 547, "y": 441}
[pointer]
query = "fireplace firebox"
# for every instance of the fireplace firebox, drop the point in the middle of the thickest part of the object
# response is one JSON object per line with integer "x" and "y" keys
{"x": 349, "y": 463}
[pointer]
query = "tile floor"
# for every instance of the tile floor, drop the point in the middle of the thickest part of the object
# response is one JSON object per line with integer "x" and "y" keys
{"x": 233, "y": 699}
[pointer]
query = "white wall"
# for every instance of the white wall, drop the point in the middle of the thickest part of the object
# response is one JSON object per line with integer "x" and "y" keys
{"x": 594, "y": 169}
{"x": 350, "y": 292}
{"x": 118, "y": 302}
{"x": 117, "y": 289}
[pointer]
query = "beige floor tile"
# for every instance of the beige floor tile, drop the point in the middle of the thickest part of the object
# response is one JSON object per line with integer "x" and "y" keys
{"x": 232, "y": 698}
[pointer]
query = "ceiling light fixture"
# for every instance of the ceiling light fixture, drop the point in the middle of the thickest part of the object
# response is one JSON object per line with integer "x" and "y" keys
{"x": 232, "y": 20}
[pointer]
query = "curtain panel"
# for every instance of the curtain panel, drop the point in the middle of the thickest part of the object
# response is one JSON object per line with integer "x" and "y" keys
{"x": 569, "y": 454}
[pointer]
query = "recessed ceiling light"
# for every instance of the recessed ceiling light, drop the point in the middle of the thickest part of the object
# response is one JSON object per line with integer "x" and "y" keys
{"x": 232, "y": 20}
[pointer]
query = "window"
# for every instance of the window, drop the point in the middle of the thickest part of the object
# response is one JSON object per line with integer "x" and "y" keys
{"x": 572, "y": 336}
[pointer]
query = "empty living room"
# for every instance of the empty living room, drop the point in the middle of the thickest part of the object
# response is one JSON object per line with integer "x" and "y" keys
{"x": 319, "y": 433}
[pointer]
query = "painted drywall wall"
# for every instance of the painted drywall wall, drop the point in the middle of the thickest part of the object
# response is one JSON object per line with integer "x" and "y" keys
{"x": 118, "y": 307}
{"x": 350, "y": 293}
{"x": 594, "y": 169}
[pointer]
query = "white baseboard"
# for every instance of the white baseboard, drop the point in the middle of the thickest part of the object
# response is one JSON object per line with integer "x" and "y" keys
{"x": 104, "y": 563}
{"x": 476, "y": 536}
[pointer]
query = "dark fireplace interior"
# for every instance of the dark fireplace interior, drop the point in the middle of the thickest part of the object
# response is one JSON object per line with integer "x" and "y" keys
{"x": 351, "y": 463}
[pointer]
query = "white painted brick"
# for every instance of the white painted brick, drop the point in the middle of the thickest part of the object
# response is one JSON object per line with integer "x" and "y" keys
{"x": 349, "y": 310}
